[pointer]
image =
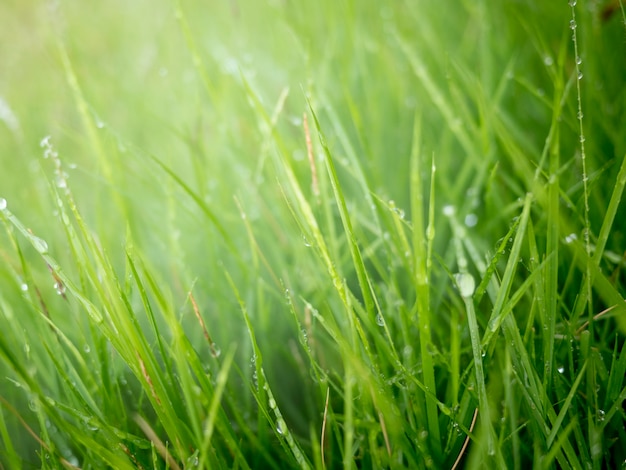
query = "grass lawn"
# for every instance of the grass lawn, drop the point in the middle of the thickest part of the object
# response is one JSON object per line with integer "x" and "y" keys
{"x": 291, "y": 234}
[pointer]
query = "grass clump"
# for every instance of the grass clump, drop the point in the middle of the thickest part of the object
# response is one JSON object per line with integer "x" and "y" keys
{"x": 330, "y": 235}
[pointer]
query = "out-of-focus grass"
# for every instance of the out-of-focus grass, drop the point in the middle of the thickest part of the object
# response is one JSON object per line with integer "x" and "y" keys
{"x": 336, "y": 234}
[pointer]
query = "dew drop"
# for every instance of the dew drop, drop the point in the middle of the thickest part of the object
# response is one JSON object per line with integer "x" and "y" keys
{"x": 548, "y": 60}
{"x": 580, "y": 76}
{"x": 471, "y": 220}
{"x": 380, "y": 321}
{"x": 466, "y": 284}
{"x": 33, "y": 404}
{"x": 3, "y": 203}
{"x": 296, "y": 121}
{"x": 24, "y": 287}
{"x": 430, "y": 231}
{"x": 216, "y": 351}
{"x": 91, "y": 425}
{"x": 40, "y": 245}
{"x": 579, "y": 60}
{"x": 572, "y": 24}
{"x": 281, "y": 426}
{"x": 570, "y": 238}
{"x": 448, "y": 210}
{"x": 572, "y": 3}
{"x": 60, "y": 288}
{"x": 61, "y": 181}
{"x": 600, "y": 414}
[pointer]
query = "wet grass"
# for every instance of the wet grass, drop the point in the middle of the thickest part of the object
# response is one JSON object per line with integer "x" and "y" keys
{"x": 330, "y": 235}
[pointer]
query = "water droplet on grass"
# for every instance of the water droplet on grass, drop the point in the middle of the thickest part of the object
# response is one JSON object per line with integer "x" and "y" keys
{"x": 60, "y": 288}
{"x": 471, "y": 220}
{"x": 33, "y": 404}
{"x": 448, "y": 210}
{"x": 61, "y": 181}
{"x": 380, "y": 321}
{"x": 548, "y": 60}
{"x": 91, "y": 424}
{"x": 281, "y": 426}
{"x": 3, "y": 203}
{"x": 40, "y": 245}
{"x": 466, "y": 284}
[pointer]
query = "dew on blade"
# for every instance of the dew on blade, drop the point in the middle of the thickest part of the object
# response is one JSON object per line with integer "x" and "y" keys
{"x": 466, "y": 284}
{"x": 449, "y": 210}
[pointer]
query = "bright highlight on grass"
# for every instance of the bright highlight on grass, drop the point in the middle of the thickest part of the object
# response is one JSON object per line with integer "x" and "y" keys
{"x": 313, "y": 235}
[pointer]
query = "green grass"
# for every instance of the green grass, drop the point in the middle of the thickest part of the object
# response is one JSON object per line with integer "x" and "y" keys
{"x": 334, "y": 234}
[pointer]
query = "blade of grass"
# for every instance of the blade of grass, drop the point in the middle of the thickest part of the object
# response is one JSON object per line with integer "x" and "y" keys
{"x": 421, "y": 242}
{"x": 357, "y": 259}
